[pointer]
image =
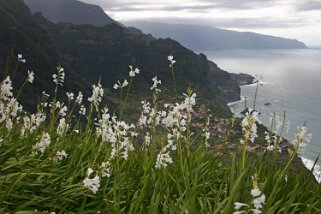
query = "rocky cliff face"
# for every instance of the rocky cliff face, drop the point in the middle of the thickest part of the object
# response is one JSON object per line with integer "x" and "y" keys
{"x": 243, "y": 79}
{"x": 70, "y": 11}
{"x": 89, "y": 53}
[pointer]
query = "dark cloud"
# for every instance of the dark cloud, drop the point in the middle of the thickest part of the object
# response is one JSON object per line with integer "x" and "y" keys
{"x": 202, "y": 6}
{"x": 241, "y": 4}
{"x": 198, "y": 5}
{"x": 208, "y": 6}
{"x": 245, "y": 23}
{"x": 308, "y": 5}
{"x": 107, "y": 4}
{"x": 191, "y": 8}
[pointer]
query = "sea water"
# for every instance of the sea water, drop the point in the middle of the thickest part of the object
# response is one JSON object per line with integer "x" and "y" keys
{"x": 291, "y": 83}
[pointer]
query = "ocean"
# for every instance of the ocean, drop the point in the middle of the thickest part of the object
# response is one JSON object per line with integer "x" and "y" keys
{"x": 291, "y": 83}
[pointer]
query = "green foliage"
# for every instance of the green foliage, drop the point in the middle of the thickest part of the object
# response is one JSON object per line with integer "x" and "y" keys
{"x": 158, "y": 165}
{"x": 197, "y": 184}
{"x": 194, "y": 177}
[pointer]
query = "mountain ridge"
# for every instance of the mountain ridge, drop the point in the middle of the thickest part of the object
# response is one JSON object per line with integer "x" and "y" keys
{"x": 89, "y": 53}
{"x": 70, "y": 11}
{"x": 204, "y": 38}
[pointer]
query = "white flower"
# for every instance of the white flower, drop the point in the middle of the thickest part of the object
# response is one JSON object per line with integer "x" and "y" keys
{"x": 301, "y": 140}
{"x": 249, "y": 127}
{"x": 121, "y": 85}
{"x": 258, "y": 196}
{"x": 239, "y": 212}
{"x": 89, "y": 171}
{"x": 163, "y": 160}
{"x": 125, "y": 83}
{"x": 59, "y": 78}
{"x": 61, "y": 155}
{"x": 207, "y": 135}
{"x": 142, "y": 120}
{"x": 45, "y": 95}
{"x": 267, "y": 137}
{"x": 57, "y": 105}
{"x": 189, "y": 102}
{"x": 6, "y": 89}
{"x": 171, "y": 138}
{"x": 133, "y": 72}
{"x": 259, "y": 201}
{"x": 9, "y": 124}
{"x": 238, "y": 205}
{"x": 92, "y": 184}
{"x": 79, "y": 98}
{"x": 70, "y": 96}
{"x": 63, "y": 111}
{"x": 183, "y": 122}
{"x": 255, "y": 192}
{"x": 82, "y": 110}
{"x": 13, "y": 108}
{"x": 31, "y": 76}
{"x": 20, "y": 58}
{"x": 31, "y": 123}
{"x": 97, "y": 94}
{"x": 255, "y": 211}
{"x": 147, "y": 138}
{"x": 146, "y": 107}
{"x": 270, "y": 148}
{"x": 62, "y": 127}
{"x": 171, "y": 60}
{"x": 44, "y": 142}
{"x": 133, "y": 134}
{"x": 155, "y": 84}
{"x": 105, "y": 169}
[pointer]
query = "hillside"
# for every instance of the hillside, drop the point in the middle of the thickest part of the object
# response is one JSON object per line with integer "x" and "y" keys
{"x": 70, "y": 11}
{"x": 89, "y": 53}
{"x": 154, "y": 152}
{"x": 20, "y": 34}
{"x": 200, "y": 37}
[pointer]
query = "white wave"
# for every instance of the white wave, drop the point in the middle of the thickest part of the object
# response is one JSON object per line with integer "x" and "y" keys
{"x": 236, "y": 102}
{"x": 275, "y": 101}
{"x": 316, "y": 171}
{"x": 254, "y": 84}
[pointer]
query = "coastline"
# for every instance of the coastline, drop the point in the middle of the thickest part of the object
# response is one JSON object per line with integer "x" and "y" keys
{"x": 308, "y": 164}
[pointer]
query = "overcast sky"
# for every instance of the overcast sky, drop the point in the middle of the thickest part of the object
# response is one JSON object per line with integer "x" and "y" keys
{"x": 299, "y": 19}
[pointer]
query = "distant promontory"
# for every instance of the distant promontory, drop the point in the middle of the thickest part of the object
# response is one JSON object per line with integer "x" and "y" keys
{"x": 205, "y": 38}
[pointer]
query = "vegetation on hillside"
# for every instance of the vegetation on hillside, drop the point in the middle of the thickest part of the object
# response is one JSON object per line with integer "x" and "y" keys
{"x": 78, "y": 157}
{"x": 90, "y": 53}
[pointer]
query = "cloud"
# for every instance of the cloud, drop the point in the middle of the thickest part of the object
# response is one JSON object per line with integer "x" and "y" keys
{"x": 241, "y": 14}
{"x": 241, "y": 4}
{"x": 240, "y": 23}
{"x": 106, "y": 5}
{"x": 189, "y": 5}
{"x": 201, "y": 8}
{"x": 308, "y": 5}
{"x": 267, "y": 16}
